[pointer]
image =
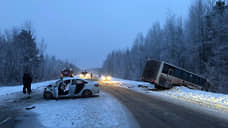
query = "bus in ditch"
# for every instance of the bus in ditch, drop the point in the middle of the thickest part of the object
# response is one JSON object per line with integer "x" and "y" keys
{"x": 164, "y": 76}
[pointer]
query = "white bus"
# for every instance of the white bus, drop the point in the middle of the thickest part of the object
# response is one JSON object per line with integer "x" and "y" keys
{"x": 165, "y": 75}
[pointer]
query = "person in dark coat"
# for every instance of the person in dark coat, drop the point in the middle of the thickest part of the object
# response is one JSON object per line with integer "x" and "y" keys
{"x": 27, "y": 80}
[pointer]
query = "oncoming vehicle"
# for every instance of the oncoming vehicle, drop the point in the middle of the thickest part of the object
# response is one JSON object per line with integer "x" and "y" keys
{"x": 85, "y": 75}
{"x": 165, "y": 75}
{"x": 106, "y": 78}
{"x": 66, "y": 72}
{"x": 71, "y": 87}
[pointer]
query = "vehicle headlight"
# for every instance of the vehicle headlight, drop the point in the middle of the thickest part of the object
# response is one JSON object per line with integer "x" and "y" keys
{"x": 109, "y": 77}
{"x": 87, "y": 75}
{"x": 80, "y": 75}
{"x": 102, "y": 78}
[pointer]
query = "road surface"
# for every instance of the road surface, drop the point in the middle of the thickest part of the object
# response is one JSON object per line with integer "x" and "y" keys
{"x": 12, "y": 114}
{"x": 151, "y": 112}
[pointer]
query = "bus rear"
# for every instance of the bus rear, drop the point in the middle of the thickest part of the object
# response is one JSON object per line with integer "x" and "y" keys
{"x": 151, "y": 71}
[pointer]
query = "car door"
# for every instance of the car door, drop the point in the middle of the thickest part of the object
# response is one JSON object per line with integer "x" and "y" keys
{"x": 64, "y": 88}
{"x": 79, "y": 86}
{"x": 58, "y": 91}
{"x": 73, "y": 87}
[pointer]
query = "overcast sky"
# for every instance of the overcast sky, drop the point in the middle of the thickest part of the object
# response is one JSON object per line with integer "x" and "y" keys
{"x": 85, "y": 31}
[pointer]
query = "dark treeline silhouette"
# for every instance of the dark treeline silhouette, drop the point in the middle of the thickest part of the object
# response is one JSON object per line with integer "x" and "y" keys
{"x": 198, "y": 44}
{"x": 21, "y": 52}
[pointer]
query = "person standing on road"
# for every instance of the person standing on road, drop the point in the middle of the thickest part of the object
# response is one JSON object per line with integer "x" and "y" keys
{"x": 27, "y": 80}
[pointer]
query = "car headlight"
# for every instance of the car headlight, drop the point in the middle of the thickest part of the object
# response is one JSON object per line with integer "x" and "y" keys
{"x": 102, "y": 78}
{"x": 80, "y": 75}
{"x": 109, "y": 77}
{"x": 87, "y": 75}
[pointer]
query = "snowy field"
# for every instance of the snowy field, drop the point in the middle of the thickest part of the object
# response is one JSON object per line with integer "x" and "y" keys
{"x": 206, "y": 99}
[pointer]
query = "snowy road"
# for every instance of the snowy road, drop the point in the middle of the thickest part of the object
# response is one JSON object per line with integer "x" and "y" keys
{"x": 127, "y": 107}
{"x": 152, "y": 111}
{"x": 95, "y": 112}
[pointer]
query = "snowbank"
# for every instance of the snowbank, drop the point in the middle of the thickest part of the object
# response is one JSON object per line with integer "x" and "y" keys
{"x": 131, "y": 84}
{"x": 95, "y": 112}
{"x": 197, "y": 96}
{"x": 208, "y": 99}
{"x": 18, "y": 88}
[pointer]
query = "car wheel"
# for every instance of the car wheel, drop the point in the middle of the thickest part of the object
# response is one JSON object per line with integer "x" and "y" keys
{"x": 86, "y": 93}
{"x": 47, "y": 95}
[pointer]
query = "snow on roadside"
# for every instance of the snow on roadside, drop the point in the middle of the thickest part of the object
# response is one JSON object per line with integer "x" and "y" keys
{"x": 96, "y": 112}
{"x": 12, "y": 89}
{"x": 197, "y": 95}
{"x": 132, "y": 84}
{"x": 208, "y": 99}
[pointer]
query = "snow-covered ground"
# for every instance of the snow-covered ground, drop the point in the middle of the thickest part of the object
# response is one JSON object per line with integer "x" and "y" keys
{"x": 95, "y": 112}
{"x": 12, "y": 89}
{"x": 207, "y": 99}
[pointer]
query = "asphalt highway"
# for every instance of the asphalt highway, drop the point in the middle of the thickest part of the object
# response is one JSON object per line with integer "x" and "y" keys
{"x": 152, "y": 112}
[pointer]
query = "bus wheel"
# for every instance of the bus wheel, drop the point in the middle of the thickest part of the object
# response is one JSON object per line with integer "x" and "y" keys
{"x": 157, "y": 86}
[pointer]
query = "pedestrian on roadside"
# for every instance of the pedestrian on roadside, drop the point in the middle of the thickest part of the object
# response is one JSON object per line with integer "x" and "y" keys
{"x": 27, "y": 80}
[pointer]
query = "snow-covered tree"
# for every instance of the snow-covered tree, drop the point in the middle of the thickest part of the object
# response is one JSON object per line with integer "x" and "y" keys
{"x": 19, "y": 53}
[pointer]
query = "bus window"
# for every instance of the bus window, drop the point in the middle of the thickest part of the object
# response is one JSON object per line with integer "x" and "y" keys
{"x": 170, "y": 72}
{"x": 165, "y": 69}
{"x": 185, "y": 76}
{"x": 177, "y": 73}
{"x": 202, "y": 81}
{"x": 191, "y": 78}
{"x": 195, "y": 79}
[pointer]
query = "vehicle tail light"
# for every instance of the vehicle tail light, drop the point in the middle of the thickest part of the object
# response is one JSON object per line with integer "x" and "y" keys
{"x": 142, "y": 77}
{"x": 153, "y": 80}
{"x": 96, "y": 85}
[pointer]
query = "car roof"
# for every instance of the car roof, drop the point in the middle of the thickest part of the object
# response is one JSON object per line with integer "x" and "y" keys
{"x": 71, "y": 78}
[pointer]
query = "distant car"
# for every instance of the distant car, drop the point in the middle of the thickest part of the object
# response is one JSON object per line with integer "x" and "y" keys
{"x": 71, "y": 87}
{"x": 67, "y": 72}
{"x": 85, "y": 75}
{"x": 106, "y": 78}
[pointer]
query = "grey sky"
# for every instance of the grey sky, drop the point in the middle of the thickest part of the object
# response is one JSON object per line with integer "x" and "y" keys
{"x": 87, "y": 30}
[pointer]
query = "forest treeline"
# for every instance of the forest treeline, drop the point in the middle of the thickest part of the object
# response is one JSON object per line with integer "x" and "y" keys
{"x": 198, "y": 44}
{"x": 20, "y": 51}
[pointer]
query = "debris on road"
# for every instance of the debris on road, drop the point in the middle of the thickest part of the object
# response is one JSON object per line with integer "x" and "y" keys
{"x": 30, "y": 107}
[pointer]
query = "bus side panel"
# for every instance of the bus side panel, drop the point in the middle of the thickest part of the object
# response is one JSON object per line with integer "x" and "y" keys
{"x": 164, "y": 81}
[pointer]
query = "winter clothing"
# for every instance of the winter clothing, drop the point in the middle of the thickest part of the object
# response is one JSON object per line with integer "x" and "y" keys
{"x": 27, "y": 80}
